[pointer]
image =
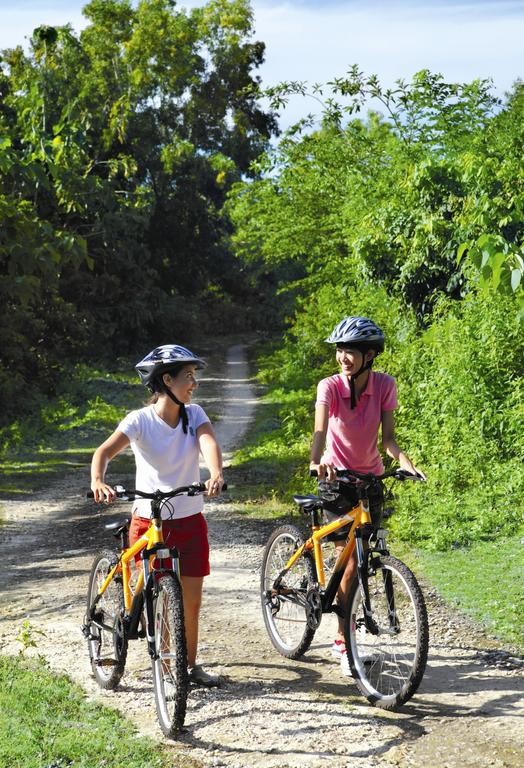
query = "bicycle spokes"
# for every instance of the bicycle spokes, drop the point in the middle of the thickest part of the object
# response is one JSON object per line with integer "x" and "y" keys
{"x": 289, "y": 614}
{"x": 388, "y": 663}
{"x": 104, "y": 628}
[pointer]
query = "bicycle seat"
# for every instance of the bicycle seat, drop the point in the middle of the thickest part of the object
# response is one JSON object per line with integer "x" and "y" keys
{"x": 117, "y": 525}
{"x": 308, "y": 502}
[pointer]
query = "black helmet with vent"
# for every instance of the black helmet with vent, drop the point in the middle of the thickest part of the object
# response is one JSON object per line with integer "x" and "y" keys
{"x": 164, "y": 359}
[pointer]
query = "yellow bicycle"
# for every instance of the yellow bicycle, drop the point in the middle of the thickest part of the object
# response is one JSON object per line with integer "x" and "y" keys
{"x": 385, "y": 618}
{"x": 118, "y": 611}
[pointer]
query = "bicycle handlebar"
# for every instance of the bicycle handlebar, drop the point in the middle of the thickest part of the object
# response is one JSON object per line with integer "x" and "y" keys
{"x": 133, "y": 493}
{"x": 397, "y": 473}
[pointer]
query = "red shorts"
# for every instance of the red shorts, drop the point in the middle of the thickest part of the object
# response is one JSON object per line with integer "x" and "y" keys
{"x": 188, "y": 535}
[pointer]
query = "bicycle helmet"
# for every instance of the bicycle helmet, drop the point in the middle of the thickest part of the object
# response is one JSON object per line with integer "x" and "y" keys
{"x": 162, "y": 360}
{"x": 167, "y": 359}
{"x": 358, "y": 333}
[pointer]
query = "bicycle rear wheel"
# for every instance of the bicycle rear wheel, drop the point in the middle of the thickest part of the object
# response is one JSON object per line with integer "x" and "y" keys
{"x": 170, "y": 676}
{"x": 388, "y": 659}
{"x": 284, "y": 607}
{"x": 107, "y": 641}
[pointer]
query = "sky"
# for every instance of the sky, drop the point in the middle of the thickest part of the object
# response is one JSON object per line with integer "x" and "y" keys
{"x": 317, "y": 40}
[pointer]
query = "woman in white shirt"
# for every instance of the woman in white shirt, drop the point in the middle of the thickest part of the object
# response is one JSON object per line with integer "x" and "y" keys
{"x": 167, "y": 436}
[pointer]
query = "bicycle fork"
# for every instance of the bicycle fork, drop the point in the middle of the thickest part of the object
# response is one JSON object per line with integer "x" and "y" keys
{"x": 151, "y": 572}
{"x": 362, "y": 574}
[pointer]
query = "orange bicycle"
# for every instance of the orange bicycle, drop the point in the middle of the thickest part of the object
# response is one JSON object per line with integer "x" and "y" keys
{"x": 385, "y": 619}
{"x": 153, "y": 608}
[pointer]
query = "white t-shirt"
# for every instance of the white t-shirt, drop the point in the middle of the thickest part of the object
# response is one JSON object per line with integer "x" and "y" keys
{"x": 165, "y": 458}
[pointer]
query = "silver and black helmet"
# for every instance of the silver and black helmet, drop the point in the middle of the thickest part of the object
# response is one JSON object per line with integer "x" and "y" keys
{"x": 359, "y": 332}
{"x": 163, "y": 359}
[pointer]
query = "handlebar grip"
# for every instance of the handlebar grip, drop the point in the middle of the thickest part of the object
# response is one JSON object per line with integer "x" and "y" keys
{"x": 403, "y": 474}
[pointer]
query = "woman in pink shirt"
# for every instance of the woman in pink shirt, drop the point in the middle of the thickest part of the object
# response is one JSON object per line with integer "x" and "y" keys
{"x": 351, "y": 408}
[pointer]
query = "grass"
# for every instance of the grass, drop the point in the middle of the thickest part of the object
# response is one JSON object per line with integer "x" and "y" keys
{"x": 48, "y": 723}
{"x": 268, "y": 466}
{"x": 483, "y": 581}
{"x": 63, "y": 434}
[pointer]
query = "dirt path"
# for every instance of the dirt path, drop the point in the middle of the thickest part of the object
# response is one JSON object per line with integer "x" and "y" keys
{"x": 270, "y": 713}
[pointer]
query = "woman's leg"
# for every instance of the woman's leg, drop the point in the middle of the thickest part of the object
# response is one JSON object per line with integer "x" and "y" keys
{"x": 192, "y": 591}
{"x": 345, "y": 584}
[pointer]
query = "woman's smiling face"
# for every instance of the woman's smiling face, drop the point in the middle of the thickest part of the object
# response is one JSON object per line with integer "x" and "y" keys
{"x": 183, "y": 384}
{"x": 351, "y": 360}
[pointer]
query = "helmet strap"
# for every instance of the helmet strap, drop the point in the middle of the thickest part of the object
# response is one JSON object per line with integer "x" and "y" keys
{"x": 183, "y": 412}
{"x": 363, "y": 367}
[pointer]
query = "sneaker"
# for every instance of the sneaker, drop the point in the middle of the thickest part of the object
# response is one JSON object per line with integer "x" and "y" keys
{"x": 199, "y": 677}
{"x": 344, "y": 664}
{"x": 338, "y": 648}
{"x": 367, "y": 659}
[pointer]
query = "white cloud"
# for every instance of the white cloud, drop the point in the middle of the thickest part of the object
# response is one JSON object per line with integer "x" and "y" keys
{"x": 314, "y": 43}
{"x": 18, "y": 22}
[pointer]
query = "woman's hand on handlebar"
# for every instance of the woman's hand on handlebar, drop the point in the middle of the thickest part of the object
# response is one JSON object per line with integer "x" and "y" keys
{"x": 214, "y": 484}
{"x": 102, "y": 492}
{"x": 408, "y": 466}
{"x": 324, "y": 471}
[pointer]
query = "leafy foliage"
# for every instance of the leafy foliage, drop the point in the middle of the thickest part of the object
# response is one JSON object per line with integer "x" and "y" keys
{"x": 118, "y": 148}
{"x": 412, "y": 216}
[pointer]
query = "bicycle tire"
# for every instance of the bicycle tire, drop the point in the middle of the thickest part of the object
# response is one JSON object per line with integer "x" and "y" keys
{"x": 285, "y": 616}
{"x": 388, "y": 665}
{"x": 107, "y": 641}
{"x": 170, "y": 676}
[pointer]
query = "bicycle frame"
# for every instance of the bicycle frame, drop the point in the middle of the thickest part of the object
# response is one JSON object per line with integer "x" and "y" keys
{"x": 151, "y": 544}
{"x": 359, "y": 519}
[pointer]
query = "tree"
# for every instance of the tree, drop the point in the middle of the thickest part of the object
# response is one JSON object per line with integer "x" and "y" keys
{"x": 123, "y": 142}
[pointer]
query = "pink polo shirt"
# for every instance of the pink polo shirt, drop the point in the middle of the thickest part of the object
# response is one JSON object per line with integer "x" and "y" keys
{"x": 352, "y": 435}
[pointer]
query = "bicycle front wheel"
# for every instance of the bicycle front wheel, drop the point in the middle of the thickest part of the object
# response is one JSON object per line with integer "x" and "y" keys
{"x": 284, "y": 604}
{"x": 107, "y": 641}
{"x": 388, "y": 653}
{"x": 170, "y": 676}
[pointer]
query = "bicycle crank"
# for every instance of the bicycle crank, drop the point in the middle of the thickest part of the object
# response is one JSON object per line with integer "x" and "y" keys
{"x": 313, "y": 608}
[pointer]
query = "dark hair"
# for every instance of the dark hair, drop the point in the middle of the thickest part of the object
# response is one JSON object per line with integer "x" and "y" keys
{"x": 361, "y": 346}
{"x": 157, "y": 384}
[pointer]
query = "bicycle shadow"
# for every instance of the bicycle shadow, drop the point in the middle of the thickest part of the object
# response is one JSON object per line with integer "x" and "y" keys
{"x": 450, "y": 689}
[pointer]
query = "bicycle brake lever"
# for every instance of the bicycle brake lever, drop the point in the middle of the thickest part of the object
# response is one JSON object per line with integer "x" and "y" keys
{"x": 122, "y": 493}
{"x": 403, "y": 474}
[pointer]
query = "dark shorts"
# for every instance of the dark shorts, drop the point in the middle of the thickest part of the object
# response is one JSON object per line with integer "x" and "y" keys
{"x": 188, "y": 535}
{"x": 345, "y": 502}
